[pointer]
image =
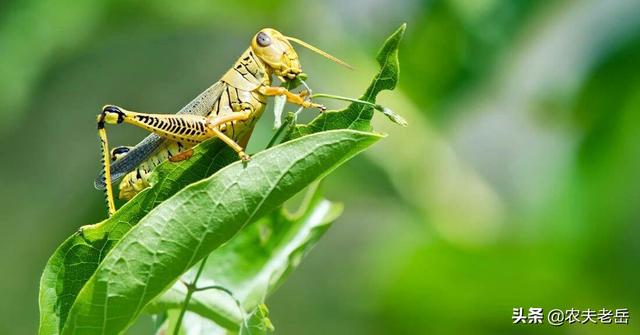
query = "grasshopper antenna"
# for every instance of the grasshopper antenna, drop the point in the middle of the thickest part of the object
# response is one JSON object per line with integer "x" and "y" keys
{"x": 316, "y": 50}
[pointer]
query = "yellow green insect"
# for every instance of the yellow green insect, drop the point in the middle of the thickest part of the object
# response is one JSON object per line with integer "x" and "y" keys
{"x": 227, "y": 110}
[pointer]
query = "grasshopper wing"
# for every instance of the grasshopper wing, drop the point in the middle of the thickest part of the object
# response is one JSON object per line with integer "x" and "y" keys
{"x": 201, "y": 105}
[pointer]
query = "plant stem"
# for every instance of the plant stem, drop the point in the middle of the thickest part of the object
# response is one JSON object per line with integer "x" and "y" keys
{"x": 191, "y": 288}
{"x": 230, "y": 294}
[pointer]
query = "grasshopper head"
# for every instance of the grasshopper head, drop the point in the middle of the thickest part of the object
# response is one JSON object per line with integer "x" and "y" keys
{"x": 276, "y": 52}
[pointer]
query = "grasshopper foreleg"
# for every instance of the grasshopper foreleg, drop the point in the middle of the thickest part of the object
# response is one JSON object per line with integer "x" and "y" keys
{"x": 298, "y": 99}
{"x": 230, "y": 142}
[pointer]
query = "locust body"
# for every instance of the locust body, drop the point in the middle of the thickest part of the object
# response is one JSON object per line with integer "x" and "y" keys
{"x": 227, "y": 110}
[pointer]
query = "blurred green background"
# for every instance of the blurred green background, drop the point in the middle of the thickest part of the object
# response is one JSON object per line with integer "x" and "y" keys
{"x": 516, "y": 184}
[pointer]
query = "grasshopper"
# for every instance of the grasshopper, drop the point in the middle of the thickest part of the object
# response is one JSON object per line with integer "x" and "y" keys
{"x": 228, "y": 110}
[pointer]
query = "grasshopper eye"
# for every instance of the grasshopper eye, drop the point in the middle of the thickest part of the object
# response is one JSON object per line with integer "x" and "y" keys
{"x": 263, "y": 39}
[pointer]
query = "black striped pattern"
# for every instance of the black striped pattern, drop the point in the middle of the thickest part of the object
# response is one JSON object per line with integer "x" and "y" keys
{"x": 176, "y": 127}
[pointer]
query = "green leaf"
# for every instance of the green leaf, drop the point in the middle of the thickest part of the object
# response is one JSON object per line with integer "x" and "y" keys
{"x": 254, "y": 263}
{"x": 197, "y": 220}
{"x": 240, "y": 265}
{"x": 358, "y": 116}
{"x": 258, "y": 323}
{"x": 75, "y": 261}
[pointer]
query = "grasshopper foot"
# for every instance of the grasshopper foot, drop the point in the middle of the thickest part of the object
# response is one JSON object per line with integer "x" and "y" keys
{"x": 309, "y": 104}
{"x": 244, "y": 157}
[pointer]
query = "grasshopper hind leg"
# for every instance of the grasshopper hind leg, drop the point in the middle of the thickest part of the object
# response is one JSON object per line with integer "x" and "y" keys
{"x": 106, "y": 164}
{"x": 182, "y": 130}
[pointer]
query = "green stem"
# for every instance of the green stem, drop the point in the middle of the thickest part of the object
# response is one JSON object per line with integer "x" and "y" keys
{"x": 230, "y": 294}
{"x": 191, "y": 288}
